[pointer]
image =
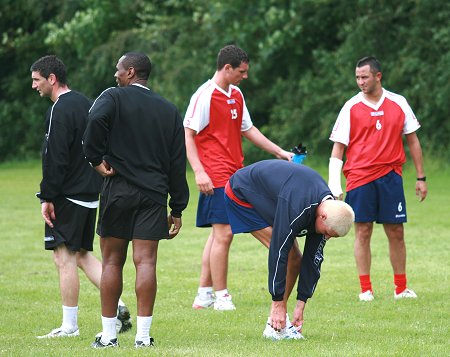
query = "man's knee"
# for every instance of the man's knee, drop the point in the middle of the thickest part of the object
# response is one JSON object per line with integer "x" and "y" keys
{"x": 82, "y": 256}
{"x": 145, "y": 252}
{"x": 62, "y": 256}
{"x": 394, "y": 231}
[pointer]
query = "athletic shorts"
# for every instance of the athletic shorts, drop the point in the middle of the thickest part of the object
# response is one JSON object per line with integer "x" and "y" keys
{"x": 382, "y": 200}
{"x": 211, "y": 209}
{"x": 243, "y": 219}
{"x": 127, "y": 213}
{"x": 74, "y": 226}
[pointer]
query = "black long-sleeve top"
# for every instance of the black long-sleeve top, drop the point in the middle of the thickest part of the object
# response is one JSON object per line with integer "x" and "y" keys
{"x": 65, "y": 172}
{"x": 286, "y": 195}
{"x": 141, "y": 135}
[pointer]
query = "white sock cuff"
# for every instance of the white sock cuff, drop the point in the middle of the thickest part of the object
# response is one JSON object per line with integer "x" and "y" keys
{"x": 109, "y": 328}
{"x": 221, "y": 293}
{"x": 143, "y": 325}
{"x": 70, "y": 308}
{"x": 205, "y": 289}
{"x": 70, "y": 318}
{"x": 144, "y": 319}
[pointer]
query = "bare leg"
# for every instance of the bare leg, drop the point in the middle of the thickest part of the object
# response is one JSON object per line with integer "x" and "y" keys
{"x": 114, "y": 253}
{"x": 294, "y": 259}
{"x": 91, "y": 266}
{"x": 69, "y": 281}
{"x": 397, "y": 247}
{"x": 205, "y": 274}
{"x": 220, "y": 247}
{"x": 363, "y": 233}
{"x": 144, "y": 257}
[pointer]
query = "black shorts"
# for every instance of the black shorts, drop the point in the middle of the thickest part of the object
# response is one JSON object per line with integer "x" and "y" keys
{"x": 74, "y": 226}
{"x": 127, "y": 213}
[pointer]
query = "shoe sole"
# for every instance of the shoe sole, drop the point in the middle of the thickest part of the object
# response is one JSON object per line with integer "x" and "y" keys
{"x": 221, "y": 309}
{"x": 404, "y": 297}
{"x": 199, "y": 307}
{"x": 73, "y": 334}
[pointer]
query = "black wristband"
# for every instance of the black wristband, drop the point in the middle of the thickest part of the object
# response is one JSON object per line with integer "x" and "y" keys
{"x": 422, "y": 178}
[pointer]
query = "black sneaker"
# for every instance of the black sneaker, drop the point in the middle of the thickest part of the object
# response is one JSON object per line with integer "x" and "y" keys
{"x": 140, "y": 344}
{"x": 99, "y": 344}
{"x": 123, "y": 319}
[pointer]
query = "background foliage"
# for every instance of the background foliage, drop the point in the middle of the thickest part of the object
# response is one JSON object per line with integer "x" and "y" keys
{"x": 302, "y": 52}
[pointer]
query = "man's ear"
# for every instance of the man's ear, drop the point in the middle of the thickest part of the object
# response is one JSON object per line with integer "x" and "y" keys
{"x": 52, "y": 79}
{"x": 228, "y": 67}
{"x": 322, "y": 212}
{"x": 379, "y": 75}
{"x": 131, "y": 72}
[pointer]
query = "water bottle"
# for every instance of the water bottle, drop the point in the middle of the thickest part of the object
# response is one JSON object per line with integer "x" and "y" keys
{"x": 299, "y": 154}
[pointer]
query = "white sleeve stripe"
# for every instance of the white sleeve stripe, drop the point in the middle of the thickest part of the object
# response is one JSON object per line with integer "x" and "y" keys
{"x": 51, "y": 118}
{"x": 95, "y": 101}
{"x": 197, "y": 99}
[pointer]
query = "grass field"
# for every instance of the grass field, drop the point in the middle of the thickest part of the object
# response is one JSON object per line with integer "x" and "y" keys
{"x": 336, "y": 323}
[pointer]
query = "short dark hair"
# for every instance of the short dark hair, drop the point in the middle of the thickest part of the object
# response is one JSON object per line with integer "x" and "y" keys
{"x": 375, "y": 66}
{"x": 140, "y": 62}
{"x": 50, "y": 64}
{"x": 232, "y": 55}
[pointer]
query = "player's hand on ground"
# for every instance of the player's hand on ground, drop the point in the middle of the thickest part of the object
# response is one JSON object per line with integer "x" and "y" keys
{"x": 174, "y": 224}
{"x": 204, "y": 183}
{"x": 421, "y": 190}
{"x": 278, "y": 315}
{"x": 48, "y": 213}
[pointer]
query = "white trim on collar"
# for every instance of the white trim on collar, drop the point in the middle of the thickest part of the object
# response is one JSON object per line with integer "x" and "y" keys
{"x": 140, "y": 85}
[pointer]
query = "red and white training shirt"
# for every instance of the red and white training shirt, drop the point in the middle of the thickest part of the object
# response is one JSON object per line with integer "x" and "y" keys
{"x": 218, "y": 117}
{"x": 373, "y": 136}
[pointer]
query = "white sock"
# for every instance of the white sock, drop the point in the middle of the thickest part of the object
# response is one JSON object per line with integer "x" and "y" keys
{"x": 204, "y": 291}
{"x": 109, "y": 329}
{"x": 221, "y": 293}
{"x": 70, "y": 318}
{"x": 143, "y": 324}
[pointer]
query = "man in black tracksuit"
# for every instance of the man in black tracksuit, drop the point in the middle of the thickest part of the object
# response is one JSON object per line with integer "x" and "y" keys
{"x": 277, "y": 201}
{"x": 69, "y": 189}
{"x": 135, "y": 138}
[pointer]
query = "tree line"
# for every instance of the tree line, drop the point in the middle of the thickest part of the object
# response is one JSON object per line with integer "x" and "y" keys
{"x": 302, "y": 59}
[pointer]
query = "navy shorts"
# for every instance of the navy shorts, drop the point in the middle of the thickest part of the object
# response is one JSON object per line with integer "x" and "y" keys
{"x": 382, "y": 200}
{"x": 243, "y": 219}
{"x": 74, "y": 226}
{"x": 127, "y": 213}
{"x": 211, "y": 209}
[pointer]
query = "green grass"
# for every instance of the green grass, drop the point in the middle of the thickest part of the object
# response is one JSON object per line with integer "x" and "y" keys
{"x": 336, "y": 324}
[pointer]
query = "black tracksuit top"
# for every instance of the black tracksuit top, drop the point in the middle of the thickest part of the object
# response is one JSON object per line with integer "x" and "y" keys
{"x": 141, "y": 135}
{"x": 65, "y": 172}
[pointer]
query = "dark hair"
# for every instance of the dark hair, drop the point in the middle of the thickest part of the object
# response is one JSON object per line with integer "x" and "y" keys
{"x": 50, "y": 64}
{"x": 375, "y": 66}
{"x": 232, "y": 55}
{"x": 140, "y": 62}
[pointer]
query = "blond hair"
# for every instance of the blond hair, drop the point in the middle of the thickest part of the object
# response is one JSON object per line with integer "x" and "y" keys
{"x": 340, "y": 216}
